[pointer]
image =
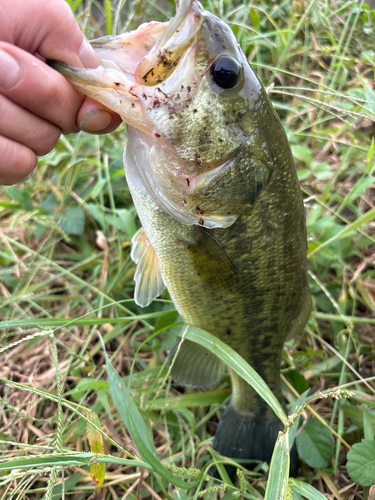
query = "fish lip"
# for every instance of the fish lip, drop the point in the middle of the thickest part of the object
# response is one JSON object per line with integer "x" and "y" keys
{"x": 164, "y": 56}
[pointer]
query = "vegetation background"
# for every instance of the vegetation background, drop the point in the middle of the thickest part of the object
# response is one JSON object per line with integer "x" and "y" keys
{"x": 66, "y": 277}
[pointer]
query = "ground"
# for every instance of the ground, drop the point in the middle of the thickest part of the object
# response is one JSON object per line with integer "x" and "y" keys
{"x": 66, "y": 282}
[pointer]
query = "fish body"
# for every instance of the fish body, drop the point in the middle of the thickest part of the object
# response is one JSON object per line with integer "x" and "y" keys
{"x": 213, "y": 180}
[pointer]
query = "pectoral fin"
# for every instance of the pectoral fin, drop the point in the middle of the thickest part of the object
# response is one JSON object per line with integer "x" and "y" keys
{"x": 148, "y": 279}
{"x": 195, "y": 366}
{"x": 211, "y": 261}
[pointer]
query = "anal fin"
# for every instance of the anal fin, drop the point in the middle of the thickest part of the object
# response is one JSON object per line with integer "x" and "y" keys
{"x": 148, "y": 279}
{"x": 195, "y": 366}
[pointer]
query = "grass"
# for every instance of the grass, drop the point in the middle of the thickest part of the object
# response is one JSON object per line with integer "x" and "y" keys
{"x": 66, "y": 284}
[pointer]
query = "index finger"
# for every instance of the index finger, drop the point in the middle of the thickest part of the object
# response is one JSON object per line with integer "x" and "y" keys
{"x": 48, "y": 29}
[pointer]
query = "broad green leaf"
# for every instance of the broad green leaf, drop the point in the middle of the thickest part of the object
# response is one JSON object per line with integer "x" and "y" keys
{"x": 127, "y": 221}
{"x": 367, "y": 424}
{"x": 361, "y": 462}
{"x": 136, "y": 426}
{"x": 314, "y": 444}
{"x": 234, "y": 361}
{"x": 279, "y": 469}
{"x": 96, "y": 212}
{"x": 302, "y": 153}
{"x": 297, "y": 380}
{"x": 87, "y": 384}
{"x": 306, "y": 490}
{"x": 73, "y": 221}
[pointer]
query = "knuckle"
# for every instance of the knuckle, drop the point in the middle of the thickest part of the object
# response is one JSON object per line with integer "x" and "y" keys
{"x": 46, "y": 138}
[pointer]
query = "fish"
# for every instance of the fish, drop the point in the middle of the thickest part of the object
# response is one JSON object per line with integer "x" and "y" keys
{"x": 213, "y": 180}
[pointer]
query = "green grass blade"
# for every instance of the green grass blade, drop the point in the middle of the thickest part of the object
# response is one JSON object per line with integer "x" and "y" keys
{"x": 64, "y": 322}
{"x": 108, "y": 15}
{"x": 367, "y": 424}
{"x": 306, "y": 490}
{"x": 66, "y": 460}
{"x": 279, "y": 469}
{"x": 137, "y": 427}
{"x": 366, "y": 217}
{"x": 234, "y": 361}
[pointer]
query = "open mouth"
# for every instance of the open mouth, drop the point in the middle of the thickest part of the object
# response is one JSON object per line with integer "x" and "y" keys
{"x": 165, "y": 55}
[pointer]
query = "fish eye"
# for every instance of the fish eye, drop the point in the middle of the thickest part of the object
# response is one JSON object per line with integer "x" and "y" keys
{"x": 225, "y": 71}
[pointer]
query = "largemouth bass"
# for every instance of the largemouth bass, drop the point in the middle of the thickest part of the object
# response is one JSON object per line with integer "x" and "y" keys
{"x": 213, "y": 180}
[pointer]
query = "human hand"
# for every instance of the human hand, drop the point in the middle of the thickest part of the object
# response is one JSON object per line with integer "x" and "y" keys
{"x": 36, "y": 102}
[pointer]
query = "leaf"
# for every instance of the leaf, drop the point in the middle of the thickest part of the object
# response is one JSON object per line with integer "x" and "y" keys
{"x": 367, "y": 424}
{"x": 297, "y": 380}
{"x": 366, "y": 217}
{"x": 128, "y": 410}
{"x": 66, "y": 485}
{"x": 108, "y": 16}
{"x": 137, "y": 428}
{"x": 361, "y": 462}
{"x": 179, "y": 495}
{"x": 67, "y": 460}
{"x": 98, "y": 187}
{"x": 314, "y": 444}
{"x": 127, "y": 221}
{"x": 306, "y": 490}
{"x": 96, "y": 446}
{"x": 191, "y": 400}
{"x": 96, "y": 212}
{"x": 294, "y": 495}
{"x": 302, "y": 153}
{"x": 279, "y": 469}
{"x": 73, "y": 221}
{"x": 231, "y": 494}
{"x": 234, "y": 361}
{"x": 87, "y": 384}
{"x": 370, "y": 155}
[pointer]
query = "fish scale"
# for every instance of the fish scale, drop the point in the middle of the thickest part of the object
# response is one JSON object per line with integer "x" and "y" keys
{"x": 213, "y": 180}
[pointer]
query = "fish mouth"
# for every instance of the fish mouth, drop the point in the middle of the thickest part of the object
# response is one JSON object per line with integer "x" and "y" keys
{"x": 165, "y": 55}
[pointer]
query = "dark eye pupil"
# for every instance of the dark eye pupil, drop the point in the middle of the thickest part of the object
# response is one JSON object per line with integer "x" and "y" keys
{"x": 225, "y": 71}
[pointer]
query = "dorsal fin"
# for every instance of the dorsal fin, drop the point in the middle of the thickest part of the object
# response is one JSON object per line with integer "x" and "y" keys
{"x": 148, "y": 280}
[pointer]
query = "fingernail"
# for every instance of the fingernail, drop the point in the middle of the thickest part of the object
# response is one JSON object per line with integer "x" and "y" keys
{"x": 95, "y": 120}
{"x": 10, "y": 71}
{"x": 88, "y": 56}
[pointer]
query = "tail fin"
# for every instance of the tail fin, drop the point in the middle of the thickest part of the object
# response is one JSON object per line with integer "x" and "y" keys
{"x": 249, "y": 436}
